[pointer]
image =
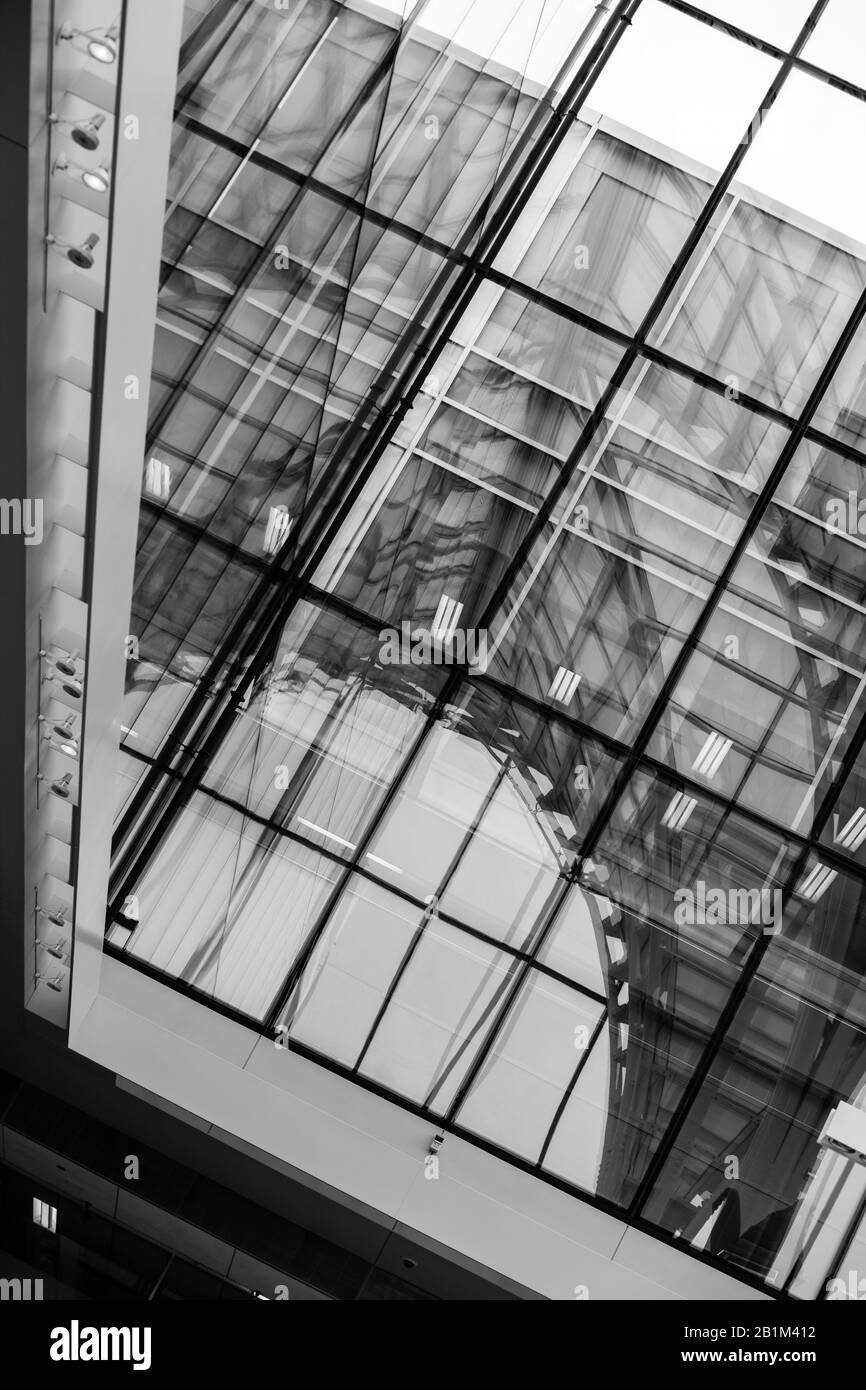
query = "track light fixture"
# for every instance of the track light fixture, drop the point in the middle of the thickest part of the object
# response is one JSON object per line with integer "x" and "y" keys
{"x": 63, "y": 671}
{"x": 81, "y": 256}
{"x": 54, "y": 982}
{"x": 100, "y": 43}
{"x": 65, "y": 664}
{"x": 56, "y": 919}
{"x": 64, "y": 732}
{"x": 436, "y": 1144}
{"x": 61, "y": 786}
{"x": 98, "y": 179}
{"x": 84, "y": 133}
{"x": 72, "y": 688}
{"x": 57, "y": 949}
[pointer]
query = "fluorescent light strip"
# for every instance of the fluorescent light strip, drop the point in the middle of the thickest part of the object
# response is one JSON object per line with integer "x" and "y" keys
{"x": 712, "y": 755}
{"x": 446, "y": 619}
{"x": 816, "y": 882}
{"x": 329, "y": 834}
{"x": 44, "y": 1215}
{"x": 853, "y": 834}
{"x": 384, "y": 862}
{"x": 157, "y": 480}
{"x": 563, "y": 685}
{"x": 678, "y": 811}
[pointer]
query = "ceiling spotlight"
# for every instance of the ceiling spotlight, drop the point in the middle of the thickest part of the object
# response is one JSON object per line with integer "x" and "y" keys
{"x": 56, "y": 919}
{"x": 97, "y": 179}
{"x": 84, "y": 133}
{"x": 66, "y": 664}
{"x": 65, "y": 732}
{"x": 104, "y": 49}
{"x": 64, "y": 671}
{"x": 61, "y": 787}
{"x": 54, "y": 982}
{"x": 81, "y": 256}
{"x": 57, "y": 949}
{"x": 101, "y": 43}
{"x": 87, "y": 134}
{"x": 71, "y": 688}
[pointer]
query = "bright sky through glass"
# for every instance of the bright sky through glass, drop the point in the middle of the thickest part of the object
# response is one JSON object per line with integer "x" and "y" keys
{"x": 695, "y": 90}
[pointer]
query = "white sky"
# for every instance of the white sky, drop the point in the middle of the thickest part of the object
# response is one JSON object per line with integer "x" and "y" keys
{"x": 695, "y": 89}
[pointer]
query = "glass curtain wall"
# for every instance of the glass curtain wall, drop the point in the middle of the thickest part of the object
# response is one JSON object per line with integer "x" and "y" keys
{"x": 494, "y": 667}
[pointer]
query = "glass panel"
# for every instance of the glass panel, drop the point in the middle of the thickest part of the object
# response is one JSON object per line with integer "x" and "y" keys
{"x": 842, "y": 410}
{"x": 747, "y": 1178}
{"x": 691, "y": 888}
{"x": 801, "y": 154}
{"x": 839, "y": 40}
{"x": 491, "y": 813}
{"x": 442, "y": 1008}
{"x": 765, "y": 298}
{"x": 325, "y": 731}
{"x": 515, "y": 1096}
{"x": 576, "y": 945}
{"x": 344, "y": 984}
{"x": 613, "y": 232}
{"x": 225, "y": 905}
{"x": 683, "y": 84}
{"x": 436, "y": 533}
{"x": 576, "y": 1149}
{"x": 777, "y": 674}
{"x": 848, "y": 1281}
{"x": 779, "y": 21}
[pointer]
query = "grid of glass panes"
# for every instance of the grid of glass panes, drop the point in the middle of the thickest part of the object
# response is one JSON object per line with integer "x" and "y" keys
{"x": 462, "y": 885}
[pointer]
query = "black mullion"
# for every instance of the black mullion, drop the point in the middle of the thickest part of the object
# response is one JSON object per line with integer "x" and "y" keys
{"x": 719, "y": 1035}
{"x": 842, "y": 1249}
{"x": 659, "y": 301}
{"x": 689, "y": 646}
{"x": 369, "y": 876}
{"x": 585, "y": 732}
{"x": 668, "y": 775}
{"x": 154, "y": 823}
{"x": 412, "y": 1108}
{"x": 379, "y": 73}
{"x": 305, "y": 182}
{"x": 267, "y": 580}
{"x": 432, "y": 910}
{"x": 599, "y": 413}
{"x": 243, "y": 151}
{"x": 511, "y": 990}
{"x": 653, "y": 353}
{"x": 788, "y": 699}
{"x": 569, "y": 1090}
{"x": 194, "y": 707}
{"x": 457, "y": 295}
{"x": 199, "y": 37}
{"x": 727, "y": 27}
{"x": 764, "y": 46}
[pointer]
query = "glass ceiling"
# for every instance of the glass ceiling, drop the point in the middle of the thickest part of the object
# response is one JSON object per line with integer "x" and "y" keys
{"x": 494, "y": 717}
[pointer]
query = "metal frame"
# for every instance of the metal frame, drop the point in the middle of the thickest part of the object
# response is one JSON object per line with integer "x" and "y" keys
{"x": 173, "y": 778}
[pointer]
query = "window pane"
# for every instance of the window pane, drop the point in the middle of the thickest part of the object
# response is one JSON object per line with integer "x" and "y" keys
{"x": 515, "y": 1096}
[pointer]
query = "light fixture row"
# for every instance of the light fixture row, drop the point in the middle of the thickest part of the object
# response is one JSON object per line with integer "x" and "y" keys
{"x": 100, "y": 43}
{"x": 97, "y": 179}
